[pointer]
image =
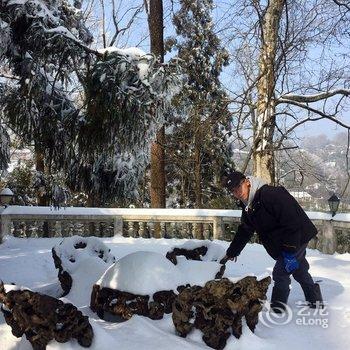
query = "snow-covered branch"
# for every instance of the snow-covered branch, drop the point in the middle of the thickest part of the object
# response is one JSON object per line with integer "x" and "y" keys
{"x": 312, "y": 98}
{"x": 64, "y": 32}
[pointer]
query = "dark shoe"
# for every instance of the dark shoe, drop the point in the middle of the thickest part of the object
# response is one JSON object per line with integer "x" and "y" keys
{"x": 279, "y": 298}
{"x": 317, "y": 303}
{"x": 313, "y": 296}
{"x": 277, "y": 307}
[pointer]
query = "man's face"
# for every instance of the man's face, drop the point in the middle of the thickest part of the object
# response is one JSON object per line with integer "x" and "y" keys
{"x": 241, "y": 191}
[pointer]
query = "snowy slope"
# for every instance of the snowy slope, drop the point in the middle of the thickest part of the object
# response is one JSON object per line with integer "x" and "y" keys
{"x": 28, "y": 262}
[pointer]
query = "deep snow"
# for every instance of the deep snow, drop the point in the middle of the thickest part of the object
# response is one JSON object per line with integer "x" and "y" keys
{"x": 28, "y": 262}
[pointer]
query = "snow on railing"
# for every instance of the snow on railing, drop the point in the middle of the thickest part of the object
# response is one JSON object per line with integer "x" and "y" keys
{"x": 212, "y": 220}
{"x": 141, "y": 222}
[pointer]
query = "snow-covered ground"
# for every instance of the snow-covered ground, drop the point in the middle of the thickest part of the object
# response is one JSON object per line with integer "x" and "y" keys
{"x": 28, "y": 262}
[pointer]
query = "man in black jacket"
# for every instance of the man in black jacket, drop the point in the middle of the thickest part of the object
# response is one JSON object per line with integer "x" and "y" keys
{"x": 283, "y": 228}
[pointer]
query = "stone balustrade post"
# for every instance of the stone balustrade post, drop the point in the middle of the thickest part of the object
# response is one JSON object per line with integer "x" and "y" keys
{"x": 5, "y": 225}
{"x": 328, "y": 237}
{"x": 218, "y": 228}
{"x": 117, "y": 226}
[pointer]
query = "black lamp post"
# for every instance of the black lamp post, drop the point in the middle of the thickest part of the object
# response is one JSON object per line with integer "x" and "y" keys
{"x": 5, "y": 196}
{"x": 333, "y": 202}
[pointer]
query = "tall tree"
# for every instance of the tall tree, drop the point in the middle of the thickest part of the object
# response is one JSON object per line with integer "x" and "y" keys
{"x": 201, "y": 103}
{"x": 263, "y": 155}
{"x": 157, "y": 186}
{"x": 157, "y": 164}
{"x": 279, "y": 87}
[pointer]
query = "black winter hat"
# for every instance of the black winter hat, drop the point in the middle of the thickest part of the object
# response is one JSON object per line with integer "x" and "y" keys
{"x": 233, "y": 179}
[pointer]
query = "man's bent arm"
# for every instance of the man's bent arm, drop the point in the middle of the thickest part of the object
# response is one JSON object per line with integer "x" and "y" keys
{"x": 242, "y": 237}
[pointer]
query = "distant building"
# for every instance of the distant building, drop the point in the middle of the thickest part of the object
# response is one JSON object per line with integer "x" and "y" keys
{"x": 308, "y": 201}
{"x": 301, "y": 195}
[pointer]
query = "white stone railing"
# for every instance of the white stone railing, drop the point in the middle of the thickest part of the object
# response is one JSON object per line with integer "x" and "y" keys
{"x": 146, "y": 219}
{"x": 141, "y": 222}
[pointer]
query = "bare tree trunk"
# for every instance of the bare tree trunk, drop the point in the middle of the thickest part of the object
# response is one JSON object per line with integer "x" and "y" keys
{"x": 42, "y": 197}
{"x": 197, "y": 161}
{"x": 263, "y": 154}
{"x": 155, "y": 23}
{"x": 198, "y": 233}
{"x": 157, "y": 171}
{"x": 198, "y": 172}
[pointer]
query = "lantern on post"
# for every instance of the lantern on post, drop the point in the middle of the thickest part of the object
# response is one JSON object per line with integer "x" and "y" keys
{"x": 5, "y": 196}
{"x": 333, "y": 202}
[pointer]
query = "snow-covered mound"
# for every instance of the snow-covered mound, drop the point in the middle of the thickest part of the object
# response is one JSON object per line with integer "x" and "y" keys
{"x": 84, "y": 277}
{"x": 142, "y": 273}
{"x": 75, "y": 250}
{"x": 197, "y": 272}
{"x": 145, "y": 273}
{"x": 81, "y": 261}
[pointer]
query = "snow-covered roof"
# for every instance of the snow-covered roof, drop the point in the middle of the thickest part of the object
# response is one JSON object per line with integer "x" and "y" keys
{"x": 300, "y": 194}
